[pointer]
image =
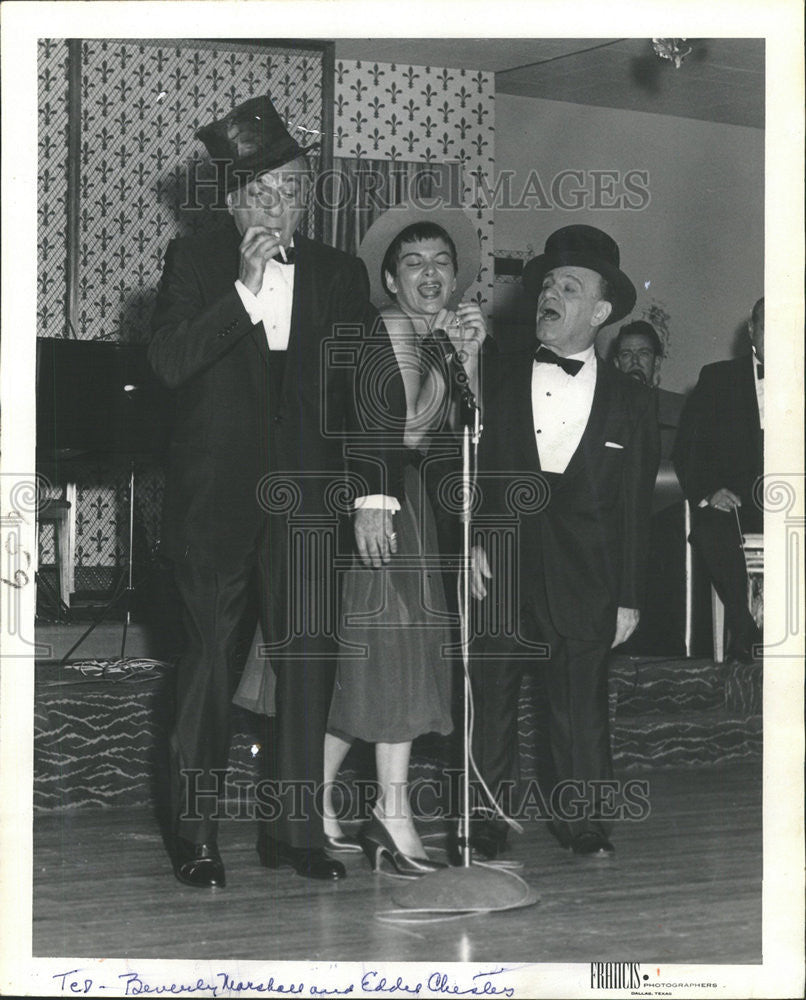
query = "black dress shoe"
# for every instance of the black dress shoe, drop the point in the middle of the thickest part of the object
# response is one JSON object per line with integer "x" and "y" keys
{"x": 592, "y": 844}
{"x": 486, "y": 840}
{"x": 343, "y": 844}
{"x": 310, "y": 863}
{"x": 199, "y": 865}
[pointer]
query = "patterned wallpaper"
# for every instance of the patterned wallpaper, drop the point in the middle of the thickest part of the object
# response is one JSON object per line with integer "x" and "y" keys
{"x": 52, "y": 186}
{"x": 423, "y": 114}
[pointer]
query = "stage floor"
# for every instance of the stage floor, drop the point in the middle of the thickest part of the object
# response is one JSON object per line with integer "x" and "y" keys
{"x": 684, "y": 887}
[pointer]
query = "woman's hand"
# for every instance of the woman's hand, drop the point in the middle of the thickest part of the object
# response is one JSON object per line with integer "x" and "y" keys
{"x": 466, "y": 328}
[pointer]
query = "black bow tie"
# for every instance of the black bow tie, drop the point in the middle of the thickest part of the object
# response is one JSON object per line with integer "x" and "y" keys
{"x": 290, "y": 255}
{"x": 546, "y": 357}
{"x": 760, "y": 370}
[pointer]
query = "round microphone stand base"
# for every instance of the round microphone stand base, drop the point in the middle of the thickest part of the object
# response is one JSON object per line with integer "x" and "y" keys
{"x": 464, "y": 892}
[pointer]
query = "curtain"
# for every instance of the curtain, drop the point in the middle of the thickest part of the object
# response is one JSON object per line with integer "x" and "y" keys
{"x": 357, "y": 191}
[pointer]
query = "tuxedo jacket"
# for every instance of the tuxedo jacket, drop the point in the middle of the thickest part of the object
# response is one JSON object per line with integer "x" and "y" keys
{"x": 582, "y": 545}
{"x": 719, "y": 441}
{"x": 231, "y": 431}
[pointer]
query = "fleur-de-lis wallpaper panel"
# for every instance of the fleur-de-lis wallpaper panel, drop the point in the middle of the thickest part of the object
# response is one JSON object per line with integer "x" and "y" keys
{"x": 141, "y": 103}
{"x": 424, "y": 114}
{"x": 52, "y": 187}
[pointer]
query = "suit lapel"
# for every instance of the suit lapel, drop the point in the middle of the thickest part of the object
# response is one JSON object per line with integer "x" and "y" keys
{"x": 748, "y": 403}
{"x": 516, "y": 386}
{"x": 592, "y": 440}
{"x": 299, "y": 312}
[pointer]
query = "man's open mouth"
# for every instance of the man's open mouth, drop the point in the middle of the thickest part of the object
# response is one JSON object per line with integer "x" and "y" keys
{"x": 430, "y": 289}
{"x": 546, "y": 312}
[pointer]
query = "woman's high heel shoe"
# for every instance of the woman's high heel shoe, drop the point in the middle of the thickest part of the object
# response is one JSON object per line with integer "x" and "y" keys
{"x": 377, "y": 843}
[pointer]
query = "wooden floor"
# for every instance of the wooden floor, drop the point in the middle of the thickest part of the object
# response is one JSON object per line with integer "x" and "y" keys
{"x": 685, "y": 886}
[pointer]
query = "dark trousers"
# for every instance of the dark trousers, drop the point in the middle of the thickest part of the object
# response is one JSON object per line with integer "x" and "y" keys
{"x": 573, "y": 741}
{"x": 718, "y": 539}
{"x": 214, "y": 602}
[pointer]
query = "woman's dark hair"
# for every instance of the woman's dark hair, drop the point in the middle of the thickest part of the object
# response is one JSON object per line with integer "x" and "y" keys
{"x": 414, "y": 233}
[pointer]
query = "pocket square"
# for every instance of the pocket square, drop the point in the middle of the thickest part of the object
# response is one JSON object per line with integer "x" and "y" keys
{"x": 614, "y": 444}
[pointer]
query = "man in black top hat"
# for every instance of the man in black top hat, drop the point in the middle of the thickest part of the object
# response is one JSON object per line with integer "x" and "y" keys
{"x": 719, "y": 457}
{"x": 582, "y": 438}
{"x": 240, "y": 327}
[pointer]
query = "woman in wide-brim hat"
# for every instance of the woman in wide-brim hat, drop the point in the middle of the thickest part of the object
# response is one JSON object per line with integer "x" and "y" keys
{"x": 420, "y": 263}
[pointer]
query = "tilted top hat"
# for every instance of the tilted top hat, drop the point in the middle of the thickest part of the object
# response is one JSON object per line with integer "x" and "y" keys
{"x": 250, "y": 140}
{"x": 393, "y": 221}
{"x": 583, "y": 246}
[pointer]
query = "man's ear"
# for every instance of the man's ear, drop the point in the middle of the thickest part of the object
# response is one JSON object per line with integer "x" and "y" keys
{"x": 656, "y": 370}
{"x": 601, "y": 311}
{"x": 230, "y": 201}
{"x": 389, "y": 281}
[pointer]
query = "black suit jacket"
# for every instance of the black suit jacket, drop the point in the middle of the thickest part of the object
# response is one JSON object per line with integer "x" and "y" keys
{"x": 581, "y": 554}
{"x": 719, "y": 441}
{"x": 205, "y": 347}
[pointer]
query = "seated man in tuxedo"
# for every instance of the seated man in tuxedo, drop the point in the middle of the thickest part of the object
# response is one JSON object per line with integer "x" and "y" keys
{"x": 719, "y": 456}
{"x": 586, "y": 437}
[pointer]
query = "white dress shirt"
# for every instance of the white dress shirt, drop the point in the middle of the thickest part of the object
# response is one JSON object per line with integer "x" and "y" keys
{"x": 561, "y": 406}
{"x": 759, "y": 384}
{"x": 272, "y": 304}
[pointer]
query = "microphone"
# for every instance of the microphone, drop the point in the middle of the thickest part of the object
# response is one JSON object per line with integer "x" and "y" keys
{"x": 455, "y": 370}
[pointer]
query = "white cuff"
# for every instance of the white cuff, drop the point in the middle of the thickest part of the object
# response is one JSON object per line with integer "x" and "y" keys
{"x": 250, "y": 302}
{"x": 377, "y": 501}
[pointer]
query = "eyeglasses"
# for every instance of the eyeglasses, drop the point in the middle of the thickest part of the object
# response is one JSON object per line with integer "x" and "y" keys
{"x": 644, "y": 354}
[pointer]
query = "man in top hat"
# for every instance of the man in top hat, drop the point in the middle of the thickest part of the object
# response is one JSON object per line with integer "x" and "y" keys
{"x": 239, "y": 329}
{"x": 719, "y": 456}
{"x": 584, "y": 437}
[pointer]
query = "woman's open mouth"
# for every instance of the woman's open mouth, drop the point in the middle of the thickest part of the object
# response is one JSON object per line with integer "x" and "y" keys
{"x": 430, "y": 289}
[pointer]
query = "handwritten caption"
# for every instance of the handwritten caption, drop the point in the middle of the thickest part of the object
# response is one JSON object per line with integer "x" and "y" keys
{"x": 222, "y": 984}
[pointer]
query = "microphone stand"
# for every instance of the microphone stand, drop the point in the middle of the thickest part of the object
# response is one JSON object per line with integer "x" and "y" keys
{"x": 470, "y": 418}
{"x": 468, "y": 888}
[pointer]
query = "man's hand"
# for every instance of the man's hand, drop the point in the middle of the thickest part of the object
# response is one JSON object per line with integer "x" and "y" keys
{"x": 724, "y": 499}
{"x": 259, "y": 245}
{"x": 479, "y": 569}
{"x": 626, "y": 624}
{"x": 375, "y": 536}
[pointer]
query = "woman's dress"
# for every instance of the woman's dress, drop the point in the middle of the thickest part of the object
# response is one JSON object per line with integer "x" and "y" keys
{"x": 393, "y": 681}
